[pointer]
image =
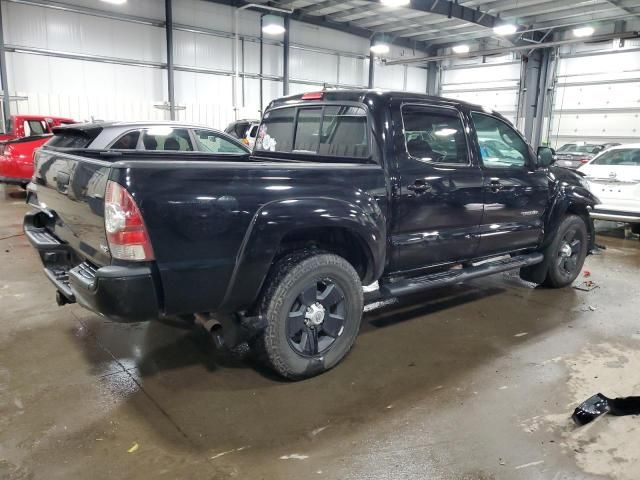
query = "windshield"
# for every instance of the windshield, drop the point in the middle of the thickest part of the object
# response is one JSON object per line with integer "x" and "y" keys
{"x": 626, "y": 156}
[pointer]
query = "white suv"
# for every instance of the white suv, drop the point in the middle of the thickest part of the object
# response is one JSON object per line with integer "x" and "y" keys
{"x": 614, "y": 177}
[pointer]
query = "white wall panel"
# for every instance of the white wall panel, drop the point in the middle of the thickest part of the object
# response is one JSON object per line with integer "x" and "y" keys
{"x": 38, "y": 27}
{"x": 416, "y": 79}
{"x": 354, "y": 71}
{"x": 140, "y": 8}
{"x": 388, "y": 76}
{"x": 203, "y": 51}
{"x": 272, "y": 58}
{"x": 308, "y": 65}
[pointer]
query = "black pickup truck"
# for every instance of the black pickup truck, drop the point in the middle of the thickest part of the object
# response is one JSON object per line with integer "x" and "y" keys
{"x": 343, "y": 189}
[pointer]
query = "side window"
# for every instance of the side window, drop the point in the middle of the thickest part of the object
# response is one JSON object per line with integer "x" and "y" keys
{"x": 128, "y": 141}
{"x": 434, "y": 135}
{"x": 500, "y": 145}
{"x": 344, "y": 132}
{"x": 165, "y": 138}
{"x": 208, "y": 141}
{"x": 276, "y": 132}
{"x": 27, "y": 129}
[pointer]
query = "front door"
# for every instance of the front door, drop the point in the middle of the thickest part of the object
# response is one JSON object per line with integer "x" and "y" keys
{"x": 515, "y": 192}
{"x": 438, "y": 201}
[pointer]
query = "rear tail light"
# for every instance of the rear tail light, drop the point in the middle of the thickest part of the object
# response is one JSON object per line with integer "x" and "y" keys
{"x": 584, "y": 160}
{"x": 126, "y": 233}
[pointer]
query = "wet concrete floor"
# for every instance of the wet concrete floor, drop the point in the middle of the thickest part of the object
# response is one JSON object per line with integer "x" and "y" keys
{"x": 471, "y": 382}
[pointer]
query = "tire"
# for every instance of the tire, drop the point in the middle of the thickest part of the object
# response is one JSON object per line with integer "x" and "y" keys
{"x": 635, "y": 228}
{"x": 298, "y": 341}
{"x": 566, "y": 253}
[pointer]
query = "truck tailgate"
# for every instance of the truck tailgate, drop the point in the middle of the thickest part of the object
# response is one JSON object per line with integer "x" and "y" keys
{"x": 72, "y": 189}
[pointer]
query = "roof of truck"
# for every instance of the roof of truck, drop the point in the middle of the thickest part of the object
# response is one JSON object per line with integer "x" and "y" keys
{"x": 364, "y": 95}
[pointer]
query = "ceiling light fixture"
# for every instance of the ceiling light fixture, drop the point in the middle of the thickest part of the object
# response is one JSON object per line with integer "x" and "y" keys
{"x": 505, "y": 29}
{"x": 380, "y": 48}
{"x": 273, "y": 25}
{"x": 115, "y": 2}
{"x": 464, "y": 48}
{"x": 583, "y": 31}
{"x": 395, "y": 3}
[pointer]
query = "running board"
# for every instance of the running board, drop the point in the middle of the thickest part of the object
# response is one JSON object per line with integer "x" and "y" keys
{"x": 450, "y": 277}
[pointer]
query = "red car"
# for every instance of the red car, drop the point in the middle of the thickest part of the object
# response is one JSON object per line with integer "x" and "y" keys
{"x": 24, "y": 134}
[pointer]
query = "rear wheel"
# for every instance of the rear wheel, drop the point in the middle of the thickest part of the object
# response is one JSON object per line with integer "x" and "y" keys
{"x": 567, "y": 252}
{"x": 312, "y": 307}
{"x": 635, "y": 228}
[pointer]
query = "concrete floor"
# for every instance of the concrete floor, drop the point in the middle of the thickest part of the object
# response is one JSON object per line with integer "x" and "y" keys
{"x": 472, "y": 382}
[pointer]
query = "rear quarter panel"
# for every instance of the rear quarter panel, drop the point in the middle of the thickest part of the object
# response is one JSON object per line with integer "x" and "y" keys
{"x": 216, "y": 226}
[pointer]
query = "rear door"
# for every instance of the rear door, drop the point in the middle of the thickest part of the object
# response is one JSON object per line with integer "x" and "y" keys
{"x": 515, "y": 193}
{"x": 438, "y": 206}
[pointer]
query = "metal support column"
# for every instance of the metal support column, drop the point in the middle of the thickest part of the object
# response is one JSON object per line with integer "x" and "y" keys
{"x": 168, "y": 18}
{"x": 371, "y": 69}
{"x": 285, "y": 59}
{"x": 534, "y": 90}
{"x": 541, "y": 97}
{"x": 529, "y": 89}
{"x": 6, "y": 107}
{"x": 261, "y": 65}
{"x": 433, "y": 86}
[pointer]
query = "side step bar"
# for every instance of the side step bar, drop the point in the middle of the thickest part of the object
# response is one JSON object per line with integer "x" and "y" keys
{"x": 450, "y": 277}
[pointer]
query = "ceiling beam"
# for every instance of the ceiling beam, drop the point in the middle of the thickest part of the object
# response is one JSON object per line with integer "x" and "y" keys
{"x": 621, "y": 5}
{"x": 519, "y": 48}
{"x": 451, "y": 9}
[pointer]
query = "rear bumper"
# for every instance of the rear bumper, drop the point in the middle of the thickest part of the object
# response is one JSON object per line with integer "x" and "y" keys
{"x": 14, "y": 180}
{"x": 122, "y": 293}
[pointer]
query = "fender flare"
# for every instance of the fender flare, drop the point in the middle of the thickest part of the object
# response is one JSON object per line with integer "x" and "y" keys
{"x": 274, "y": 220}
{"x": 566, "y": 198}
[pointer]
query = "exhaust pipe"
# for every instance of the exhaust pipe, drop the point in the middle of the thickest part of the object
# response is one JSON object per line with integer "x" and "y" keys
{"x": 211, "y": 325}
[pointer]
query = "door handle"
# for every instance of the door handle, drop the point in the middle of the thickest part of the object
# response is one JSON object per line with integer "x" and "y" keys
{"x": 419, "y": 187}
{"x": 495, "y": 185}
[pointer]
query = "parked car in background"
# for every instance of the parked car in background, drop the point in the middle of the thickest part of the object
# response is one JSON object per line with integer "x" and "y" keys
{"x": 24, "y": 134}
{"x": 573, "y": 155}
{"x": 614, "y": 177}
{"x": 276, "y": 250}
{"x": 244, "y": 130}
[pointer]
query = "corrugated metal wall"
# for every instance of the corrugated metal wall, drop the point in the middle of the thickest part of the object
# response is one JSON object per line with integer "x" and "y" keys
{"x": 89, "y": 64}
{"x": 597, "y": 97}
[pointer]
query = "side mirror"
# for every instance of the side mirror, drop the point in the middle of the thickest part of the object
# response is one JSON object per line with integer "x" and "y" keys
{"x": 546, "y": 156}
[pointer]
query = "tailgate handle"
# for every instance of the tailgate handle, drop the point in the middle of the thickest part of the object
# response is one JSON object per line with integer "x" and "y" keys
{"x": 62, "y": 181}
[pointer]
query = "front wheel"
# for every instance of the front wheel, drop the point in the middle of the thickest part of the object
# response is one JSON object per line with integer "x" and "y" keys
{"x": 567, "y": 252}
{"x": 312, "y": 306}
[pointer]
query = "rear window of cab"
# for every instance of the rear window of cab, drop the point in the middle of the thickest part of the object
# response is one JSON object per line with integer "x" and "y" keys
{"x": 339, "y": 131}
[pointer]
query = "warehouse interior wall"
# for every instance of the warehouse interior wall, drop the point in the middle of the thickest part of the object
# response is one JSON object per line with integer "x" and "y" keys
{"x": 91, "y": 59}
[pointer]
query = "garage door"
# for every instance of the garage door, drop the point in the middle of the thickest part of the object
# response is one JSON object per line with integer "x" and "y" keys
{"x": 598, "y": 95}
{"x": 493, "y": 84}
